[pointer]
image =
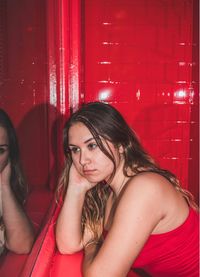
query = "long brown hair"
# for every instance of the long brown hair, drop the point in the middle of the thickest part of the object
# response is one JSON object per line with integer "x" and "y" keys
{"x": 104, "y": 121}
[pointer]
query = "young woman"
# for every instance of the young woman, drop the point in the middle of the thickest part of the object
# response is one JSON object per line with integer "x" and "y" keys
{"x": 119, "y": 206}
{"x": 16, "y": 232}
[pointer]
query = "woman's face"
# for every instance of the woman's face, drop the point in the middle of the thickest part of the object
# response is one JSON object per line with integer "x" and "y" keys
{"x": 87, "y": 157}
{"x": 4, "y": 151}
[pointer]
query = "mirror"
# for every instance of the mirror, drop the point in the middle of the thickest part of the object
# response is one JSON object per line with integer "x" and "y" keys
{"x": 26, "y": 97}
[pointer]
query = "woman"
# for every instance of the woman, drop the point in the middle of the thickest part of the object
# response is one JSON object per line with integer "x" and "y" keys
{"x": 119, "y": 206}
{"x": 16, "y": 231}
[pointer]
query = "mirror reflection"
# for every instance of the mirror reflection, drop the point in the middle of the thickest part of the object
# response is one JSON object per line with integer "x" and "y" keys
{"x": 16, "y": 230}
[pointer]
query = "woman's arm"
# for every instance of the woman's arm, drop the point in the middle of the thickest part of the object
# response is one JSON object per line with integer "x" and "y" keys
{"x": 136, "y": 216}
{"x": 68, "y": 229}
{"x": 18, "y": 229}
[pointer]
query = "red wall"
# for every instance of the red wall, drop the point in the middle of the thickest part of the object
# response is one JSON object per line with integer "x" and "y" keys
{"x": 30, "y": 87}
{"x": 139, "y": 56}
{"x": 24, "y": 87}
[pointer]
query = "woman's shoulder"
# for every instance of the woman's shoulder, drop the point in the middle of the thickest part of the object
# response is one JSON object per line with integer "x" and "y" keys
{"x": 151, "y": 196}
{"x": 146, "y": 187}
{"x": 143, "y": 198}
{"x": 152, "y": 189}
{"x": 149, "y": 188}
{"x": 149, "y": 181}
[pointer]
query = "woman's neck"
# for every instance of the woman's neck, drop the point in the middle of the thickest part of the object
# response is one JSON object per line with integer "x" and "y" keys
{"x": 119, "y": 180}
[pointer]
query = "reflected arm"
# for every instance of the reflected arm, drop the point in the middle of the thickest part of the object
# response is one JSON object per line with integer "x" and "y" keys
{"x": 19, "y": 234}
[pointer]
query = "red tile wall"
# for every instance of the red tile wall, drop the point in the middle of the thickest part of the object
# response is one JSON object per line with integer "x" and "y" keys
{"x": 23, "y": 87}
{"x": 139, "y": 56}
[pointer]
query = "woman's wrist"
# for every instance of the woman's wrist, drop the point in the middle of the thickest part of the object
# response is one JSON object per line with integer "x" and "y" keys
{"x": 76, "y": 190}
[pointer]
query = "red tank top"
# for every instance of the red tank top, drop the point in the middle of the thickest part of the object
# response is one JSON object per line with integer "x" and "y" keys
{"x": 173, "y": 254}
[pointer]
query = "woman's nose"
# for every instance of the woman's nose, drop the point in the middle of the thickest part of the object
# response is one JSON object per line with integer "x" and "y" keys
{"x": 84, "y": 158}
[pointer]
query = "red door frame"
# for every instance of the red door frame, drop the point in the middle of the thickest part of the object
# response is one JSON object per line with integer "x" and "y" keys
{"x": 64, "y": 66}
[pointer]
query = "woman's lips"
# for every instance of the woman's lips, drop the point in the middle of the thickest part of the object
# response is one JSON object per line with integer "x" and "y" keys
{"x": 89, "y": 171}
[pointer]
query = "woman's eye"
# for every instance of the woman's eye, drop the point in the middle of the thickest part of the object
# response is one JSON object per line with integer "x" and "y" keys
{"x": 75, "y": 150}
{"x": 2, "y": 150}
{"x": 92, "y": 146}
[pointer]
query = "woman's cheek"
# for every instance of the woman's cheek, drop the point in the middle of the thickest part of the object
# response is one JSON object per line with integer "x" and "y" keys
{"x": 77, "y": 165}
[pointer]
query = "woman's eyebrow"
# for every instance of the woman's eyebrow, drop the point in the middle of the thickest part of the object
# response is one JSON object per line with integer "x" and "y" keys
{"x": 3, "y": 145}
{"x": 86, "y": 141}
{"x": 72, "y": 145}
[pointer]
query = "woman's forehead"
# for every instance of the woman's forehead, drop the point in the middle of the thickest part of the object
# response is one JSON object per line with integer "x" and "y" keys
{"x": 79, "y": 132}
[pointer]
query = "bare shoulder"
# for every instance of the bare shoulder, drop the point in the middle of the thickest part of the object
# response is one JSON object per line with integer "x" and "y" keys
{"x": 146, "y": 191}
{"x": 150, "y": 192}
{"x": 149, "y": 182}
{"x": 143, "y": 202}
{"x": 150, "y": 177}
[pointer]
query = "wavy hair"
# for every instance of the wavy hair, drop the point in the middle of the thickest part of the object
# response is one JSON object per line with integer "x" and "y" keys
{"x": 17, "y": 182}
{"x": 104, "y": 121}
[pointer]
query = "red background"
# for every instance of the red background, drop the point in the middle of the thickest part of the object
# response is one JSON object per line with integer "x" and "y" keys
{"x": 140, "y": 56}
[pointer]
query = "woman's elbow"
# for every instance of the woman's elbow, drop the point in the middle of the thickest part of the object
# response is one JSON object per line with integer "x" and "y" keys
{"x": 22, "y": 245}
{"x": 67, "y": 249}
{"x": 20, "y": 248}
{"x": 28, "y": 247}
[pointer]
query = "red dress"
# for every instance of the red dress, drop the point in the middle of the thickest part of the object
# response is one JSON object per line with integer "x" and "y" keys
{"x": 173, "y": 254}
{"x": 46, "y": 261}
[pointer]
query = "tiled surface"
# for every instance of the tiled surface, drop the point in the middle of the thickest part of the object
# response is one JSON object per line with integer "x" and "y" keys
{"x": 139, "y": 56}
{"x": 28, "y": 86}
{"x": 23, "y": 89}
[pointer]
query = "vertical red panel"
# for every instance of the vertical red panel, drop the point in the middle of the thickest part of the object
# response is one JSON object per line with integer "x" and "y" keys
{"x": 44, "y": 40}
{"x": 23, "y": 87}
{"x": 194, "y": 120}
{"x": 58, "y": 59}
{"x": 76, "y": 95}
{"x": 64, "y": 66}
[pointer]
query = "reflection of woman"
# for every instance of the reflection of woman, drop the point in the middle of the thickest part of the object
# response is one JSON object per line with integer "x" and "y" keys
{"x": 119, "y": 206}
{"x": 16, "y": 232}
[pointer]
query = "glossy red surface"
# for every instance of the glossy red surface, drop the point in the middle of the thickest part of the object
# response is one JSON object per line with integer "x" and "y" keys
{"x": 24, "y": 87}
{"x": 142, "y": 57}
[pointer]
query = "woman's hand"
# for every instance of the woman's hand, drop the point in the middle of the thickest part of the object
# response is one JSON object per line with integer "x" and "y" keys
{"x": 68, "y": 230}
{"x": 5, "y": 175}
{"x": 19, "y": 230}
{"x": 79, "y": 182}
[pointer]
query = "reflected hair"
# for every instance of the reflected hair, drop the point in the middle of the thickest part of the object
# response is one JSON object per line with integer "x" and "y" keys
{"x": 104, "y": 121}
{"x": 17, "y": 182}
